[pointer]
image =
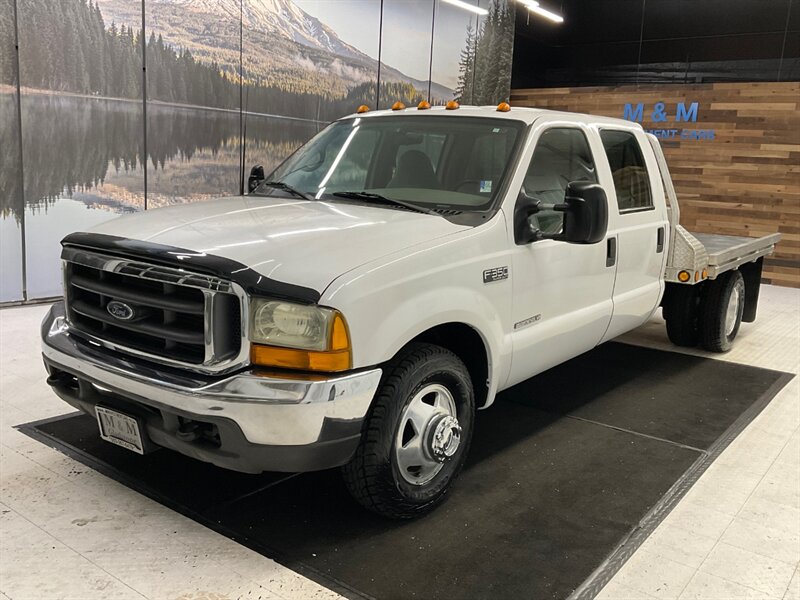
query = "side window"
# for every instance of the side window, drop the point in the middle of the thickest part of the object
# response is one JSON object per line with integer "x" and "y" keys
{"x": 562, "y": 155}
{"x": 627, "y": 169}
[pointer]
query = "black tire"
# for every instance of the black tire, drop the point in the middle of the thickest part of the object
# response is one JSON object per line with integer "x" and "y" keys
{"x": 681, "y": 312}
{"x": 716, "y": 334}
{"x": 373, "y": 476}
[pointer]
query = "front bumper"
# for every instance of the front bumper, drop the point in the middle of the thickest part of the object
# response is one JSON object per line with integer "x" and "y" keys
{"x": 246, "y": 421}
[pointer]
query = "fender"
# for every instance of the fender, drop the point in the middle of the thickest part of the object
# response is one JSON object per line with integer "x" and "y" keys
{"x": 390, "y": 301}
{"x": 463, "y": 307}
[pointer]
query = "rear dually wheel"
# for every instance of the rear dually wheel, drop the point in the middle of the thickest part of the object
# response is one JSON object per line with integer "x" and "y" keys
{"x": 721, "y": 311}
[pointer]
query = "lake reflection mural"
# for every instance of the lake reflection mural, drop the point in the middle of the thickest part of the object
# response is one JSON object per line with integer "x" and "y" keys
{"x": 216, "y": 103}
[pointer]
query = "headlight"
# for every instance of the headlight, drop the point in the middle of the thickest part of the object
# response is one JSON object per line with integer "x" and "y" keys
{"x": 290, "y": 325}
{"x": 298, "y": 336}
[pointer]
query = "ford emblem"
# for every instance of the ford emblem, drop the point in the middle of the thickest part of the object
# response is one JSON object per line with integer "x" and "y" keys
{"x": 120, "y": 310}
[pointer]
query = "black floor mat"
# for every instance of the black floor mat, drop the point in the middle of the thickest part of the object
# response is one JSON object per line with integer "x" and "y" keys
{"x": 562, "y": 468}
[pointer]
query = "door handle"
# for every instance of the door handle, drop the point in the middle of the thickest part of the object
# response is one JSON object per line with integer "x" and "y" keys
{"x": 611, "y": 251}
{"x": 660, "y": 240}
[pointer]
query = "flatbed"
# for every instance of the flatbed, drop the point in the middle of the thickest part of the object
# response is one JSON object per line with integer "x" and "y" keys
{"x": 726, "y": 252}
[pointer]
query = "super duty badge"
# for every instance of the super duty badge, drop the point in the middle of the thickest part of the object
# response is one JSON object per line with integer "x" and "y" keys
{"x": 496, "y": 274}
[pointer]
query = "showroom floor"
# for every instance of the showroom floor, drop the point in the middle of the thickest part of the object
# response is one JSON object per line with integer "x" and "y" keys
{"x": 69, "y": 532}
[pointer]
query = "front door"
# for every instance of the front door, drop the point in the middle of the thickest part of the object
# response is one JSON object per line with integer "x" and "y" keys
{"x": 562, "y": 292}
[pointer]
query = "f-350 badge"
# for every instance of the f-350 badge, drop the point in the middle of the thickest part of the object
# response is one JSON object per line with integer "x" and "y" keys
{"x": 496, "y": 274}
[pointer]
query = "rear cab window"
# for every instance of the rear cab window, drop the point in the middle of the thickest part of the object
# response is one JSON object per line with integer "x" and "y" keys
{"x": 628, "y": 170}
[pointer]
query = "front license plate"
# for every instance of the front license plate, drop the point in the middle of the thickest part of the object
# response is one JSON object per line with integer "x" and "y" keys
{"x": 119, "y": 429}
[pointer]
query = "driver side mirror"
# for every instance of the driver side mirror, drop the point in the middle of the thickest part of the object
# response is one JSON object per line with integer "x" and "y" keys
{"x": 585, "y": 211}
{"x": 255, "y": 179}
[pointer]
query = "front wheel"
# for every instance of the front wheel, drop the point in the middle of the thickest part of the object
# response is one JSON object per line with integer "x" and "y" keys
{"x": 416, "y": 435}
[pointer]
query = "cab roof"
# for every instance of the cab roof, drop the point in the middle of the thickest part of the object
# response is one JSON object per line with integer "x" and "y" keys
{"x": 526, "y": 115}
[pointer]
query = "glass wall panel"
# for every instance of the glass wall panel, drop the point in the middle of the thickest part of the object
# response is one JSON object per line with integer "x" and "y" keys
{"x": 193, "y": 154}
{"x": 406, "y": 52}
{"x": 11, "y": 209}
{"x": 319, "y": 64}
{"x": 81, "y": 126}
{"x": 472, "y": 53}
{"x": 193, "y": 91}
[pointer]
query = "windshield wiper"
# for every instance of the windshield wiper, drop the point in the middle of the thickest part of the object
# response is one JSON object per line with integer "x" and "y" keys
{"x": 287, "y": 188}
{"x": 377, "y": 198}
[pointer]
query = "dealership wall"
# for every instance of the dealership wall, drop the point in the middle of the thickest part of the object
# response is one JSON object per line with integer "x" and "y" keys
{"x": 88, "y": 133}
{"x": 736, "y": 167}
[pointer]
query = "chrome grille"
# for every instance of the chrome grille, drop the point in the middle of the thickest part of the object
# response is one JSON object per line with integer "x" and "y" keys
{"x": 163, "y": 313}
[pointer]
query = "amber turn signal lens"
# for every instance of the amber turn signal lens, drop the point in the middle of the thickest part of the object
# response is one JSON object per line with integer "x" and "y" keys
{"x": 705, "y": 274}
{"x": 362, "y": 109}
{"x": 398, "y": 106}
{"x": 684, "y": 276}
{"x": 452, "y": 105}
{"x": 424, "y": 105}
{"x": 503, "y": 107}
{"x": 304, "y": 360}
{"x": 340, "y": 338}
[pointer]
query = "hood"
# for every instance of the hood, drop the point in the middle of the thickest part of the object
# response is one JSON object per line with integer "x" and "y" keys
{"x": 302, "y": 242}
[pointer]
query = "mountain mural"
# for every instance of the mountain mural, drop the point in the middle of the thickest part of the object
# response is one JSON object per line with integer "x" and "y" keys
{"x": 284, "y": 46}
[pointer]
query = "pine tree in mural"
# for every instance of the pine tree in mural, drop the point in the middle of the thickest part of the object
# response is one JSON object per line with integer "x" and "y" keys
{"x": 466, "y": 73}
{"x": 485, "y": 66}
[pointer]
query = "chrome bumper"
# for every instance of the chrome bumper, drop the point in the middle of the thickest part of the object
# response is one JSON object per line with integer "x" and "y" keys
{"x": 269, "y": 410}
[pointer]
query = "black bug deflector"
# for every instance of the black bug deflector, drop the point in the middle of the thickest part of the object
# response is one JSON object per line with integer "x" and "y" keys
{"x": 254, "y": 283}
{"x": 563, "y": 468}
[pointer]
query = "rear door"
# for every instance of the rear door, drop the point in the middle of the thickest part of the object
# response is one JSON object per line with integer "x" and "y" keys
{"x": 638, "y": 220}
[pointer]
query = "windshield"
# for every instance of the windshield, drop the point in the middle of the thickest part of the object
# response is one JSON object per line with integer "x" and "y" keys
{"x": 447, "y": 162}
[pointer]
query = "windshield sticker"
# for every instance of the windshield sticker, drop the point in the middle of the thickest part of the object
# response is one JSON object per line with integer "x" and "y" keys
{"x": 486, "y": 186}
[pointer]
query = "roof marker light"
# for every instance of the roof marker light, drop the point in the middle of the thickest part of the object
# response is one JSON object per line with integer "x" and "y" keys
{"x": 362, "y": 109}
{"x": 398, "y": 105}
{"x": 503, "y": 107}
{"x": 424, "y": 105}
{"x": 452, "y": 105}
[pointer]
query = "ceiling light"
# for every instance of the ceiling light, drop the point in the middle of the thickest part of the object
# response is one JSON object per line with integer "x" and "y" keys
{"x": 543, "y": 12}
{"x": 471, "y": 8}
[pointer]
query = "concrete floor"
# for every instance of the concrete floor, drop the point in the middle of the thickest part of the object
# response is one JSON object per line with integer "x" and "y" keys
{"x": 69, "y": 532}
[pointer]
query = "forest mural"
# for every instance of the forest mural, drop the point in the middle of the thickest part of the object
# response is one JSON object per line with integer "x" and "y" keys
{"x": 228, "y": 83}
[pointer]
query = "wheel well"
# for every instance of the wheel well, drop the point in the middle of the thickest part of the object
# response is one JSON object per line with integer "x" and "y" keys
{"x": 466, "y": 343}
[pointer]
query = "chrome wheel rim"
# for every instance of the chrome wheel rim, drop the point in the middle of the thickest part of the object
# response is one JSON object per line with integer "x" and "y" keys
{"x": 428, "y": 434}
{"x": 732, "y": 313}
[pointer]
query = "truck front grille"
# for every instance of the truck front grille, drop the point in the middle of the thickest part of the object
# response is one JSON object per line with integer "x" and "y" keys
{"x": 154, "y": 311}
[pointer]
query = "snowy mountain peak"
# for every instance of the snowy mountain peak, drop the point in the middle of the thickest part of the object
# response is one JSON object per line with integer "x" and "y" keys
{"x": 268, "y": 17}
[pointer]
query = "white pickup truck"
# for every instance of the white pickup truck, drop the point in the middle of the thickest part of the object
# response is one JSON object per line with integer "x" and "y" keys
{"x": 388, "y": 279}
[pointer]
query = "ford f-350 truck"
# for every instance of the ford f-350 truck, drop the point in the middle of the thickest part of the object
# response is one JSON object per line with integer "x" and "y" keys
{"x": 388, "y": 279}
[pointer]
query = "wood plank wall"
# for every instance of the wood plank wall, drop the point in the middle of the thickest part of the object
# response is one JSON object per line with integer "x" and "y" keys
{"x": 745, "y": 181}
